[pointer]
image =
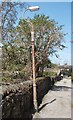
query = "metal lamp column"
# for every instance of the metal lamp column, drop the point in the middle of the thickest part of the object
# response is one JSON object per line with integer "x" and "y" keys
{"x": 33, "y": 70}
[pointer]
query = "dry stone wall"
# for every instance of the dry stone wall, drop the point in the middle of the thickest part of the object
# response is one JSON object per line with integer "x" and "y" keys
{"x": 17, "y": 99}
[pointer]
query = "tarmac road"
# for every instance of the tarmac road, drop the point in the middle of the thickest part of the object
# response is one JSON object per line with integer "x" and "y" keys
{"x": 57, "y": 102}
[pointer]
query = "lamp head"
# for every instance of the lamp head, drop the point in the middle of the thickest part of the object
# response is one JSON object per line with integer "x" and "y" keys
{"x": 33, "y": 8}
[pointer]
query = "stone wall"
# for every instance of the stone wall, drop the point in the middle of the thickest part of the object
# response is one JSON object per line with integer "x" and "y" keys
{"x": 17, "y": 100}
{"x": 42, "y": 88}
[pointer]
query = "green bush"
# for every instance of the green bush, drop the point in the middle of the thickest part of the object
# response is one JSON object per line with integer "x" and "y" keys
{"x": 49, "y": 73}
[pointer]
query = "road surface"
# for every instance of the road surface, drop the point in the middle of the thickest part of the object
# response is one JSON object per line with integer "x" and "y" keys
{"x": 57, "y": 102}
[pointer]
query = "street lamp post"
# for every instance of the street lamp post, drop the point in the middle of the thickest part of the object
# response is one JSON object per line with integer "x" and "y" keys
{"x": 33, "y": 8}
{"x": 33, "y": 69}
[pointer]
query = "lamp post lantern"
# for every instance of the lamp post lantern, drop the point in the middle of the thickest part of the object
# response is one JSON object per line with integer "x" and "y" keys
{"x": 33, "y": 8}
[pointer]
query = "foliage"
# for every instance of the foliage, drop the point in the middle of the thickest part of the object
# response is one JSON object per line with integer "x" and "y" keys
{"x": 17, "y": 41}
{"x": 49, "y": 73}
{"x": 14, "y": 54}
{"x": 54, "y": 65}
{"x": 9, "y": 18}
{"x": 48, "y": 38}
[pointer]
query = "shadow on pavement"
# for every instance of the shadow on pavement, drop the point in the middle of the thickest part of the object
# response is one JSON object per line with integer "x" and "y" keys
{"x": 60, "y": 88}
{"x": 45, "y": 105}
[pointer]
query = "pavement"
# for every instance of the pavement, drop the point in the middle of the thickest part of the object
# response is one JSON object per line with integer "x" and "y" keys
{"x": 57, "y": 102}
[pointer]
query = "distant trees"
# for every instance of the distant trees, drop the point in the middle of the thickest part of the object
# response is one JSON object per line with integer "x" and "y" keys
{"x": 49, "y": 38}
